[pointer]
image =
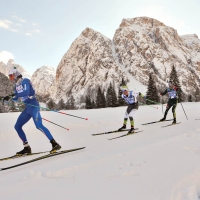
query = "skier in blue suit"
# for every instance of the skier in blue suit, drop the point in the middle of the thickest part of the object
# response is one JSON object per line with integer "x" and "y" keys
{"x": 25, "y": 91}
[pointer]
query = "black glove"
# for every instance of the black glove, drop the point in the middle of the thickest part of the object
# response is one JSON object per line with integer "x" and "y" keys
{"x": 6, "y": 98}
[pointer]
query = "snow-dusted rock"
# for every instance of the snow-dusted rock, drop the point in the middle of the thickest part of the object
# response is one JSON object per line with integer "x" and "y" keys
{"x": 88, "y": 63}
{"x": 6, "y": 86}
{"x": 42, "y": 79}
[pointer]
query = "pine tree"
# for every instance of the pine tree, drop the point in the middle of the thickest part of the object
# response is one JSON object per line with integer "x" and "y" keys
{"x": 152, "y": 93}
{"x": 197, "y": 95}
{"x": 100, "y": 99}
{"x": 114, "y": 96}
{"x": 175, "y": 81}
{"x": 121, "y": 101}
{"x": 190, "y": 98}
{"x": 122, "y": 82}
{"x": 93, "y": 104}
{"x": 71, "y": 103}
{"x": 88, "y": 103}
{"x": 109, "y": 98}
{"x": 61, "y": 104}
{"x": 51, "y": 104}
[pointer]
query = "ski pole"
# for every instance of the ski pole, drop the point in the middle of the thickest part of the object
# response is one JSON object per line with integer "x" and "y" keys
{"x": 149, "y": 105}
{"x": 183, "y": 110}
{"x": 54, "y": 111}
{"x": 55, "y": 124}
{"x": 42, "y": 118}
{"x": 153, "y": 101}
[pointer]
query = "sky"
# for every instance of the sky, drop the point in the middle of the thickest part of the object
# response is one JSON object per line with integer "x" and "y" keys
{"x": 38, "y": 33}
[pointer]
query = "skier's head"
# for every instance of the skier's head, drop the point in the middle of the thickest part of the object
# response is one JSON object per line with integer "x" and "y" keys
{"x": 14, "y": 75}
{"x": 125, "y": 90}
{"x": 171, "y": 85}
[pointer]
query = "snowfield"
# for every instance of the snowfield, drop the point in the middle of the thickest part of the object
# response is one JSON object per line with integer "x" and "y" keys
{"x": 156, "y": 164}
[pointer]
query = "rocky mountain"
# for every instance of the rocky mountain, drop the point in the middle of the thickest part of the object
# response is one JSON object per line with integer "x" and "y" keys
{"x": 89, "y": 63}
{"x": 140, "y": 46}
{"x": 6, "y": 88}
{"x": 5, "y": 68}
{"x": 146, "y": 45}
{"x": 42, "y": 79}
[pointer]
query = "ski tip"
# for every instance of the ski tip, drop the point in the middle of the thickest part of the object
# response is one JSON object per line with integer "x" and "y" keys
{"x": 0, "y": 169}
{"x": 86, "y": 118}
{"x": 67, "y": 129}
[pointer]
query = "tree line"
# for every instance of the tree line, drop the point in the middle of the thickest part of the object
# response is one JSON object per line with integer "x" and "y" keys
{"x": 111, "y": 99}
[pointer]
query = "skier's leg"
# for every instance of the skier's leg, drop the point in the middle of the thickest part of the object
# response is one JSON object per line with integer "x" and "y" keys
{"x": 174, "y": 112}
{"x": 125, "y": 122}
{"x": 38, "y": 123}
{"x": 166, "y": 111}
{"x": 22, "y": 119}
{"x": 131, "y": 117}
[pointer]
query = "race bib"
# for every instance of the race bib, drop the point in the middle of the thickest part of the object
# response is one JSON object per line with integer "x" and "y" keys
{"x": 19, "y": 89}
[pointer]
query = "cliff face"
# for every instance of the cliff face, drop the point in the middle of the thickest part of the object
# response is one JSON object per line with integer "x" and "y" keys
{"x": 88, "y": 63}
{"x": 42, "y": 79}
{"x": 146, "y": 45}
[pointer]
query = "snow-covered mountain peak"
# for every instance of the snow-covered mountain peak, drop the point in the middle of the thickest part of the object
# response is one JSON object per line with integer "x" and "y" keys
{"x": 91, "y": 34}
{"x": 141, "y": 21}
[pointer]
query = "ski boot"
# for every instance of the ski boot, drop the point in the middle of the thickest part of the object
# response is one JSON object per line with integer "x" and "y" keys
{"x": 174, "y": 121}
{"x": 132, "y": 130}
{"x": 122, "y": 128}
{"x": 55, "y": 146}
{"x": 25, "y": 151}
{"x": 163, "y": 119}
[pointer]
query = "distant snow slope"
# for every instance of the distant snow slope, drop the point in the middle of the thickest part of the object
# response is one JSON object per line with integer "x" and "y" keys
{"x": 158, "y": 163}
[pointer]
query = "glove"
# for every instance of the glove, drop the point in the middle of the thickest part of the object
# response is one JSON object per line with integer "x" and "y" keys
{"x": 6, "y": 98}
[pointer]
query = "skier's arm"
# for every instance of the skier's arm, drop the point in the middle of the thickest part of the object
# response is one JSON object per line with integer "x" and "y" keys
{"x": 163, "y": 93}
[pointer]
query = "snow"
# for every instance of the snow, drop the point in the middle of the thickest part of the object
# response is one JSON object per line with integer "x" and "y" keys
{"x": 158, "y": 163}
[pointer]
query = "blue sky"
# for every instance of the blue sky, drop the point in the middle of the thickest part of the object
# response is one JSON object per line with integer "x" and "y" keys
{"x": 39, "y": 32}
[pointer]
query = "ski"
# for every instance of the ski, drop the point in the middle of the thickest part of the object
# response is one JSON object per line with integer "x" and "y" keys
{"x": 157, "y": 122}
{"x": 21, "y": 156}
{"x": 127, "y": 134}
{"x": 170, "y": 125}
{"x": 42, "y": 157}
{"x": 111, "y": 132}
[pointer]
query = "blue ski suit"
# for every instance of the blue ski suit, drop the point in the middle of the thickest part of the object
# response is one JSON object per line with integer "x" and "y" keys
{"x": 25, "y": 91}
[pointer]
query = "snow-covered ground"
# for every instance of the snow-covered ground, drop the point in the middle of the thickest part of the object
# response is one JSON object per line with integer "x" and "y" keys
{"x": 156, "y": 164}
